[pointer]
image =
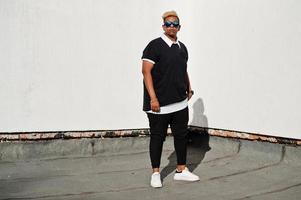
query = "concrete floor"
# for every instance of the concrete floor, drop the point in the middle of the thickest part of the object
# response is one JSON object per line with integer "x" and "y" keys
{"x": 119, "y": 168}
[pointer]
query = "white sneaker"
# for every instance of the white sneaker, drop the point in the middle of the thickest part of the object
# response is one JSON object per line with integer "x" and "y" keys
{"x": 186, "y": 175}
{"x": 156, "y": 180}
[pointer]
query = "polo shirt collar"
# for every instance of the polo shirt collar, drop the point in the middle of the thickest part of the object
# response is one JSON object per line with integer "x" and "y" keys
{"x": 169, "y": 42}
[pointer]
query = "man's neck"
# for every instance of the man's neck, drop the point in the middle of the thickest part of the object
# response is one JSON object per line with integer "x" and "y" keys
{"x": 174, "y": 39}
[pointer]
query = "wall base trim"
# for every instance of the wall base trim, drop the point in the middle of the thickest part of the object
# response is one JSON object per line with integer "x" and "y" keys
{"x": 23, "y": 136}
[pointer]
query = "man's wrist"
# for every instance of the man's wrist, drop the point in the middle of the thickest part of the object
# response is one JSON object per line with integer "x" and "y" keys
{"x": 153, "y": 99}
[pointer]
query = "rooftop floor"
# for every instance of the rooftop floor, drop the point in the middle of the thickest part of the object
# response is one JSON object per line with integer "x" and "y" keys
{"x": 119, "y": 168}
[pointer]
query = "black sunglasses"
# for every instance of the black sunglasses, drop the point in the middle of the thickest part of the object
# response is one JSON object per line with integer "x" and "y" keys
{"x": 173, "y": 24}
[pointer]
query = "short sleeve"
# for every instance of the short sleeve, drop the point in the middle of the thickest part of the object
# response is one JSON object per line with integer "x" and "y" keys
{"x": 150, "y": 53}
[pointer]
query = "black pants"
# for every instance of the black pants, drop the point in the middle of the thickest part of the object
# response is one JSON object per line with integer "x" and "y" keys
{"x": 158, "y": 123}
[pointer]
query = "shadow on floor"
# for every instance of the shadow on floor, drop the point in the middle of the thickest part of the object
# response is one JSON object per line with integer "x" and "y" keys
{"x": 198, "y": 145}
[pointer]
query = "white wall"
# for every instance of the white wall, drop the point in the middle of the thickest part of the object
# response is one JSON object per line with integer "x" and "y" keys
{"x": 75, "y": 65}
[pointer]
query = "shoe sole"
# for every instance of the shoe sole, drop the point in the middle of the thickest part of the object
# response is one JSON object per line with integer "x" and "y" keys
{"x": 186, "y": 180}
{"x": 159, "y": 186}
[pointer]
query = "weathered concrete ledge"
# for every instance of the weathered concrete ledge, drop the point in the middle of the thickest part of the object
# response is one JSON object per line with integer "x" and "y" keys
{"x": 119, "y": 168}
{"x": 246, "y": 136}
{"x": 23, "y": 136}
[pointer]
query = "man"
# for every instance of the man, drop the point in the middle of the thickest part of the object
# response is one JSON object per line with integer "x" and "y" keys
{"x": 166, "y": 93}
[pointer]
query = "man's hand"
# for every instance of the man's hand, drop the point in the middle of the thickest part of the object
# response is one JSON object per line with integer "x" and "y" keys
{"x": 189, "y": 90}
{"x": 155, "y": 106}
{"x": 190, "y": 93}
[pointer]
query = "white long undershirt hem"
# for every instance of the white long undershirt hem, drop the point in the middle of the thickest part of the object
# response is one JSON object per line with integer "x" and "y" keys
{"x": 174, "y": 107}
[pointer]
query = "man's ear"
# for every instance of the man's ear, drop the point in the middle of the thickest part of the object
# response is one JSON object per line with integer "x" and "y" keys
{"x": 179, "y": 27}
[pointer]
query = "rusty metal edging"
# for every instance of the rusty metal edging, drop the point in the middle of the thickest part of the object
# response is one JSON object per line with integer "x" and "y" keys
{"x": 72, "y": 134}
{"x": 245, "y": 135}
{"x": 34, "y": 136}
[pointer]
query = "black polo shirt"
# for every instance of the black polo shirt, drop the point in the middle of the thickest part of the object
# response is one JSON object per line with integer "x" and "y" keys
{"x": 168, "y": 73}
